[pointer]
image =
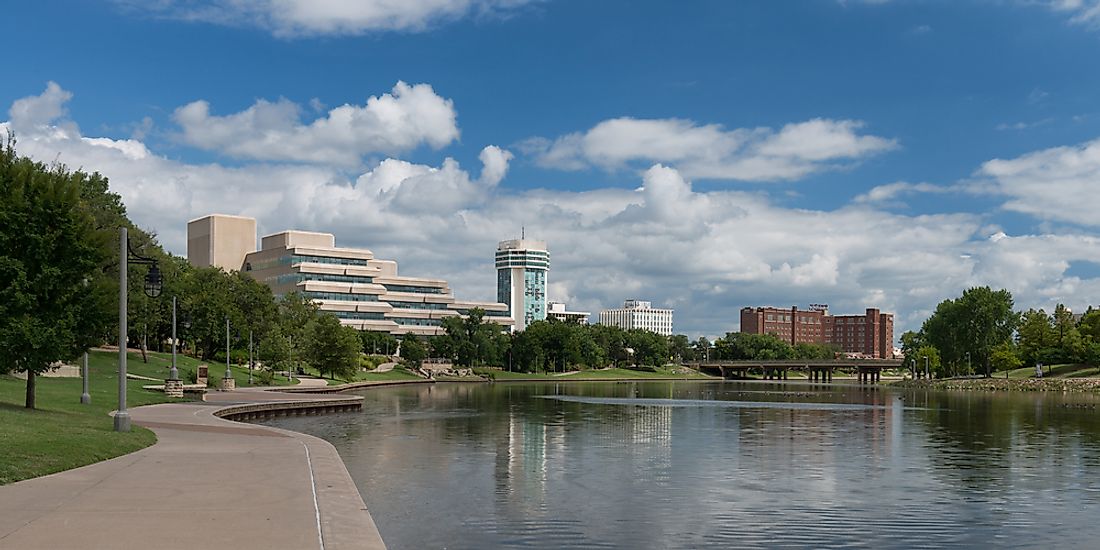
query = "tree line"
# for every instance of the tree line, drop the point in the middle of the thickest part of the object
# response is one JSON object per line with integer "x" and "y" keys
{"x": 980, "y": 332}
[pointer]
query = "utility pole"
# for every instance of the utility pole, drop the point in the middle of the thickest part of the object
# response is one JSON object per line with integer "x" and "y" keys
{"x": 250, "y": 357}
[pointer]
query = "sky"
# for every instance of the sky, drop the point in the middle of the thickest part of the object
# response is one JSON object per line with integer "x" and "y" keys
{"x": 702, "y": 155}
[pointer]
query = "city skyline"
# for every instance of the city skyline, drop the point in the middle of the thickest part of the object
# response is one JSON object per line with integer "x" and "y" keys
{"x": 880, "y": 154}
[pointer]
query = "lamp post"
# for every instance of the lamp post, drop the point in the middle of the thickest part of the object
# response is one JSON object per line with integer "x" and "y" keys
{"x": 968, "y": 368}
{"x": 174, "y": 373}
{"x": 249, "y": 357}
{"x": 85, "y": 398}
{"x": 927, "y": 372}
{"x": 153, "y": 286}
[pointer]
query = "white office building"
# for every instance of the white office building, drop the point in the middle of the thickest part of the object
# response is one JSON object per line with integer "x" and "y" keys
{"x": 639, "y": 314}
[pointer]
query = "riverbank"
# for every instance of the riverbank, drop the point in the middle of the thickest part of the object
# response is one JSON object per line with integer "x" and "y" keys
{"x": 1065, "y": 385}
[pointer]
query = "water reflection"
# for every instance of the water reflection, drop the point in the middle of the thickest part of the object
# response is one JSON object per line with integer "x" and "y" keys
{"x": 719, "y": 465}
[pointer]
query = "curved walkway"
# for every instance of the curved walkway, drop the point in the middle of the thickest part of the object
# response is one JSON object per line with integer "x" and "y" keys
{"x": 207, "y": 483}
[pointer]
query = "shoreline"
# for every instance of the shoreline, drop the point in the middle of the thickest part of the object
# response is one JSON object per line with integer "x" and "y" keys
{"x": 1064, "y": 385}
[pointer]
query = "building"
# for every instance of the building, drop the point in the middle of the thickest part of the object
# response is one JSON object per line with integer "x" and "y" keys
{"x": 522, "y": 266}
{"x": 221, "y": 241}
{"x": 557, "y": 310}
{"x": 362, "y": 291}
{"x": 867, "y": 335}
{"x": 639, "y": 314}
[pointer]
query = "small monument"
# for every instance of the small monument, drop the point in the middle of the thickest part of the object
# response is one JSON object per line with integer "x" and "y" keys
{"x": 203, "y": 376}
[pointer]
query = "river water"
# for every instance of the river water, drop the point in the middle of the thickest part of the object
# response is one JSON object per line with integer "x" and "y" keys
{"x": 720, "y": 465}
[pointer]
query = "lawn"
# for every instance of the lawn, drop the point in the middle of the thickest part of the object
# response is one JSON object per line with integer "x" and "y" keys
{"x": 398, "y": 373}
{"x": 63, "y": 434}
{"x": 602, "y": 374}
{"x": 1069, "y": 370}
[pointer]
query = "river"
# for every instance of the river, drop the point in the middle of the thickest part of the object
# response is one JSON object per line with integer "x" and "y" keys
{"x": 720, "y": 465}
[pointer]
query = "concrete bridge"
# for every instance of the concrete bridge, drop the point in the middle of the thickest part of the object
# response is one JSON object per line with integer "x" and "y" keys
{"x": 820, "y": 370}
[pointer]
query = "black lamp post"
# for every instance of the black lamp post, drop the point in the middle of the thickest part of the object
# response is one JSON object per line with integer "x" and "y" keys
{"x": 153, "y": 287}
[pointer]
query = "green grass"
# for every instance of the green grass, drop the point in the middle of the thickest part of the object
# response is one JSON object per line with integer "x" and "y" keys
{"x": 160, "y": 364}
{"x": 615, "y": 373}
{"x": 61, "y": 433}
{"x": 398, "y": 373}
{"x": 1068, "y": 370}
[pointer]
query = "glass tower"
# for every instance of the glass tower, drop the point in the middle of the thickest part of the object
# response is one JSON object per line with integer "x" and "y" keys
{"x": 521, "y": 279}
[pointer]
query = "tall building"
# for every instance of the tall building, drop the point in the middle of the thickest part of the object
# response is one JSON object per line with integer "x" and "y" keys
{"x": 639, "y": 314}
{"x": 868, "y": 335}
{"x": 362, "y": 291}
{"x": 220, "y": 240}
{"x": 522, "y": 266}
{"x": 559, "y": 311}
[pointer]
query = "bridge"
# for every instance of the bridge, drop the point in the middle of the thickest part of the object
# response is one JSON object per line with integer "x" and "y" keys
{"x": 818, "y": 370}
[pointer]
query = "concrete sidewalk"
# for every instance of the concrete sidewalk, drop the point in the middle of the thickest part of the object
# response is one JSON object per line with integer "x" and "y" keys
{"x": 206, "y": 483}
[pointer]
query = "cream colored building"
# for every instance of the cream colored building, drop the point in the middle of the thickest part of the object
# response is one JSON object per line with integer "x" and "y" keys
{"x": 220, "y": 240}
{"x": 362, "y": 291}
{"x": 639, "y": 314}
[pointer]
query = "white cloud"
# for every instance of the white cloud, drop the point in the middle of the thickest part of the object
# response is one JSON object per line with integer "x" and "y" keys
{"x": 1060, "y": 183}
{"x": 325, "y": 17}
{"x": 1085, "y": 12}
{"x": 391, "y": 123}
{"x": 885, "y": 194}
{"x": 711, "y": 151}
{"x": 705, "y": 253}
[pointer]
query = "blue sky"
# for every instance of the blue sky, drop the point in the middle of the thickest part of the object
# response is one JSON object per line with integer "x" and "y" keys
{"x": 667, "y": 151}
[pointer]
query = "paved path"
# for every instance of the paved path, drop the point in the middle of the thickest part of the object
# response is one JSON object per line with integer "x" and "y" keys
{"x": 207, "y": 483}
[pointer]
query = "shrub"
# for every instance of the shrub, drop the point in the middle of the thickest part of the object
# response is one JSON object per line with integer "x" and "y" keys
{"x": 190, "y": 376}
{"x": 266, "y": 377}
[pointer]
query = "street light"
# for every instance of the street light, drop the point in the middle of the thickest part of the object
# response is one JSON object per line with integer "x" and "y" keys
{"x": 153, "y": 287}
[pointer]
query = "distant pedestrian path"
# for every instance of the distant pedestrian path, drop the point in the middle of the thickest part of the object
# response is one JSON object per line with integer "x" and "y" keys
{"x": 207, "y": 483}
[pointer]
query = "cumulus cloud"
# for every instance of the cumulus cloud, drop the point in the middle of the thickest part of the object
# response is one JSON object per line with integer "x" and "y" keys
{"x": 390, "y": 123}
{"x": 1059, "y": 184}
{"x": 710, "y": 150}
{"x": 704, "y": 253}
{"x": 325, "y": 17}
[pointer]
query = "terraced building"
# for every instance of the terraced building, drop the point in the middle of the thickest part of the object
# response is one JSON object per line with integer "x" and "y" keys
{"x": 362, "y": 291}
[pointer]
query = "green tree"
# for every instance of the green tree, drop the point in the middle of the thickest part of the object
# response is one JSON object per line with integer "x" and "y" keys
{"x": 412, "y": 349}
{"x": 54, "y": 303}
{"x": 273, "y": 349}
{"x": 971, "y": 326}
{"x": 332, "y": 348}
{"x": 1034, "y": 336}
{"x": 679, "y": 347}
{"x": 929, "y": 357}
{"x": 1005, "y": 358}
{"x": 701, "y": 347}
{"x": 1070, "y": 344}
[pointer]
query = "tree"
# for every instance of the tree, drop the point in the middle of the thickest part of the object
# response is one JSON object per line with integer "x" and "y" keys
{"x": 55, "y": 299}
{"x": 702, "y": 348}
{"x": 1069, "y": 342}
{"x": 333, "y": 348}
{"x": 1004, "y": 357}
{"x": 378, "y": 342}
{"x": 412, "y": 349}
{"x": 929, "y": 357}
{"x": 1034, "y": 335}
{"x": 971, "y": 326}
{"x": 679, "y": 347}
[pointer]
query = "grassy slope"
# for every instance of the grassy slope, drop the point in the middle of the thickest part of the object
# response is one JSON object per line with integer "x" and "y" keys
{"x": 63, "y": 434}
{"x": 1073, "y": 370}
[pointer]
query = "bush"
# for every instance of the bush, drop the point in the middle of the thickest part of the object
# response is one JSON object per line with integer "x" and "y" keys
{"x": 191, "y": 376}
{"x": 265, "y": 376}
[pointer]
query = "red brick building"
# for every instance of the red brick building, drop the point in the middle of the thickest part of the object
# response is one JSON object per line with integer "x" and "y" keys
{"x": 869, "y": 335}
